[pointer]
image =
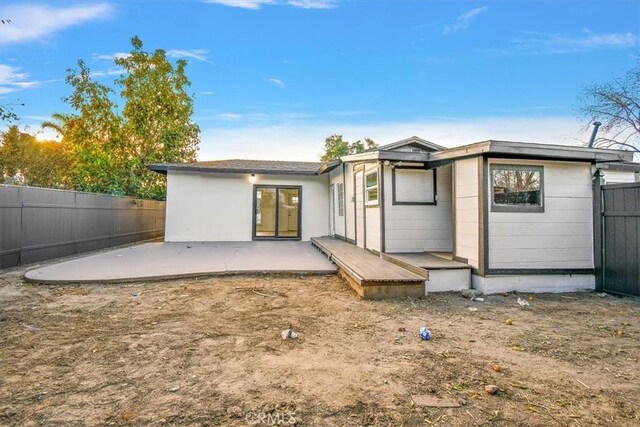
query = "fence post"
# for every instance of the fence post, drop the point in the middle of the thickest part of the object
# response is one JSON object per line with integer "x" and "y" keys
{"x": 21, "y": 229}
{"x": 598, "y": 241}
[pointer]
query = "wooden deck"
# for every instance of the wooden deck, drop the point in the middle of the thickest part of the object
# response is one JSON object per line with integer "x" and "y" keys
{"x": 371, "y": 276}
{"x": 429, "y": 261}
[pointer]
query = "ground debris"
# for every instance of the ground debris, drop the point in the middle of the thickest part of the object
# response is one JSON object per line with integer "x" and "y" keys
{"x": 430, "y": 401}
{"x": 491, "y": 388}
{"x": 206, "y": 335}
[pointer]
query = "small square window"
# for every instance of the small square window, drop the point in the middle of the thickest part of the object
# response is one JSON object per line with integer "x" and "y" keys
{"x": 371, "y": 188}
{"x": 517, "y": 188}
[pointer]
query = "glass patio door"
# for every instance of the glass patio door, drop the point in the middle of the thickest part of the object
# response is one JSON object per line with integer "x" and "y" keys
{"x": 276, "y": 212}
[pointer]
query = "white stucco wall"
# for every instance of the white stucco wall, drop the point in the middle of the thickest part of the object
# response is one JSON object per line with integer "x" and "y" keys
{"x": 219, "y": 207}
{"x": 418, "y": 228}
{"x": 559, "y": 237}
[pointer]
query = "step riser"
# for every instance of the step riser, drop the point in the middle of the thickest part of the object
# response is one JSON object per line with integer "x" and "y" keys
{"x": 448, "y": 280}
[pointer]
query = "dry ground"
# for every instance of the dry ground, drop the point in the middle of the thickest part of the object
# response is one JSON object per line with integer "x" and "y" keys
{"x": 209, "y": 352}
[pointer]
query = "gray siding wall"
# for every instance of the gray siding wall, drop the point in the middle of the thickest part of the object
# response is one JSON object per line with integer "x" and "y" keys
{"x": 467, "y": 226}
{"x": 38, "y": 224}
{"x": 559, "y": 237}
{"x": 418, "y": 228}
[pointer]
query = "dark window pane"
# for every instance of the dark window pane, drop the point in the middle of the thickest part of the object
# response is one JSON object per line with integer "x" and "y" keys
{"x": 265, "y": 212}
{"x": 517, "y": 186}
{"x": 288, "y": 212}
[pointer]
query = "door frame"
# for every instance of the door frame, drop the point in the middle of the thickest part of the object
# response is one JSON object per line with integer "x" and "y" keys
{"x": 332, "y": 209}
{"x": 277, "y": 213}
{"x": 356, "y": 171}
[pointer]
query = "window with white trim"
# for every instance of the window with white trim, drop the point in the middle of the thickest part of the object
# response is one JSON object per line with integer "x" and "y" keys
{"x": 517, "y": 188}
{"x": 340, "y": 199}
{"x": 371, "y": 188}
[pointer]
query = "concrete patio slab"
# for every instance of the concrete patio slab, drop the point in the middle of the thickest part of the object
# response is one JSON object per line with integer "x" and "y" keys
{"x": 186, "y": 259}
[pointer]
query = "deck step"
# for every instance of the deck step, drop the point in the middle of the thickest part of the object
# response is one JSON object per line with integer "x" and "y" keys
{"x": 371, "y": 276}
{"x": 444, "y": 274}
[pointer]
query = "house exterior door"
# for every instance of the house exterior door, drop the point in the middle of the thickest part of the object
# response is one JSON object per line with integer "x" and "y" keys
{"x": 332, "y": 210}
{"x": 359, "y": 208}
{"x": 276, "y": 212}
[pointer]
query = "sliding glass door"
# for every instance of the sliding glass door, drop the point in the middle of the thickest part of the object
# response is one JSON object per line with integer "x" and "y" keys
{"x": 276, "y": 212}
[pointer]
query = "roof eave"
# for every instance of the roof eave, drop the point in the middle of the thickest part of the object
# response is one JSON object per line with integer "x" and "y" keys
{"x": 164, "y": 168}
{"x": 519, "y": 149}
{"x": 406, "y": 156}
{"x": 623, "y": 166}
{"x": 329, "y": 166}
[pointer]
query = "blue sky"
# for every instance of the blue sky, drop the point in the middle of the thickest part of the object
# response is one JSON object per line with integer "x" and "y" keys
{"x": 272, "y": 78}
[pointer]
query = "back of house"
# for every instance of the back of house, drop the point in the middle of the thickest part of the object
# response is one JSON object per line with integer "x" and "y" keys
{"x": 516, "y": 216}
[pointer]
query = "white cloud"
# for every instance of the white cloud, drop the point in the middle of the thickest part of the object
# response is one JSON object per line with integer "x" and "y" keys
{"x": 312, "y": 4}
{"x": 257, "y": 4}
{"x": 276, "y": 82}
{"x": 544, "y": 43}
{"x": 197, "y": 54}
{"x": 304, "y": 141}
{"x": 31, "y": 22}
{"x": 464, "y": 21}
{"x": 244, "y": 4}
{"x": 230, "y": 116}
{"x": 111, "y": 56}
{"x": 207, "y": 92}
{"x": 107, "y": 73}
{"x": 12, "y": 80}
{"x": 253, "y": 119}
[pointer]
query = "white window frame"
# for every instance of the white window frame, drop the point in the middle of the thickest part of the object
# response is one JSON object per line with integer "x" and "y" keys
{"x": 367, "y": 189}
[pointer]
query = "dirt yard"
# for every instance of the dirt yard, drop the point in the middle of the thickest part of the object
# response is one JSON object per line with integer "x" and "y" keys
{"x": 210, "y": 352}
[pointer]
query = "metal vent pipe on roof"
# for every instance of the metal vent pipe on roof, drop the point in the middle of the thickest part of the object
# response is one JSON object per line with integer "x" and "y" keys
{"x": 596, "y": 126}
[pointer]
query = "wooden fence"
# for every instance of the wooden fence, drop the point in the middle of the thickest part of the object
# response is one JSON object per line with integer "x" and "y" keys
{"x": 38, "y": 224}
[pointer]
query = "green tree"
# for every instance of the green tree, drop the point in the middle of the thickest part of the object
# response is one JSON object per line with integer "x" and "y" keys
{"x": 59, "y": 123}
{"x": 335, "y": 147}
{"x": 26, "y": 161}
{"x": 617, "y": 105}
{"x": 6, "y": 110}
{"x": 157, "y": 116}
{"x": 110, "y": 150}
{"x": 91, "y": 135}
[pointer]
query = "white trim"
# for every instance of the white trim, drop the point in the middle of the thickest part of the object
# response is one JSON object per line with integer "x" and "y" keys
{"x": 367, "y": 188}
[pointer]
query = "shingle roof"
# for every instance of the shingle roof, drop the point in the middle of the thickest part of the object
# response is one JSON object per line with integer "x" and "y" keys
{"x": 243, "y": 166}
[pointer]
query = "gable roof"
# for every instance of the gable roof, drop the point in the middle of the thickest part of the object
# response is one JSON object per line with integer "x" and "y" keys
{"x": 277, "y": 167}
{"x": 414, "y": 140}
